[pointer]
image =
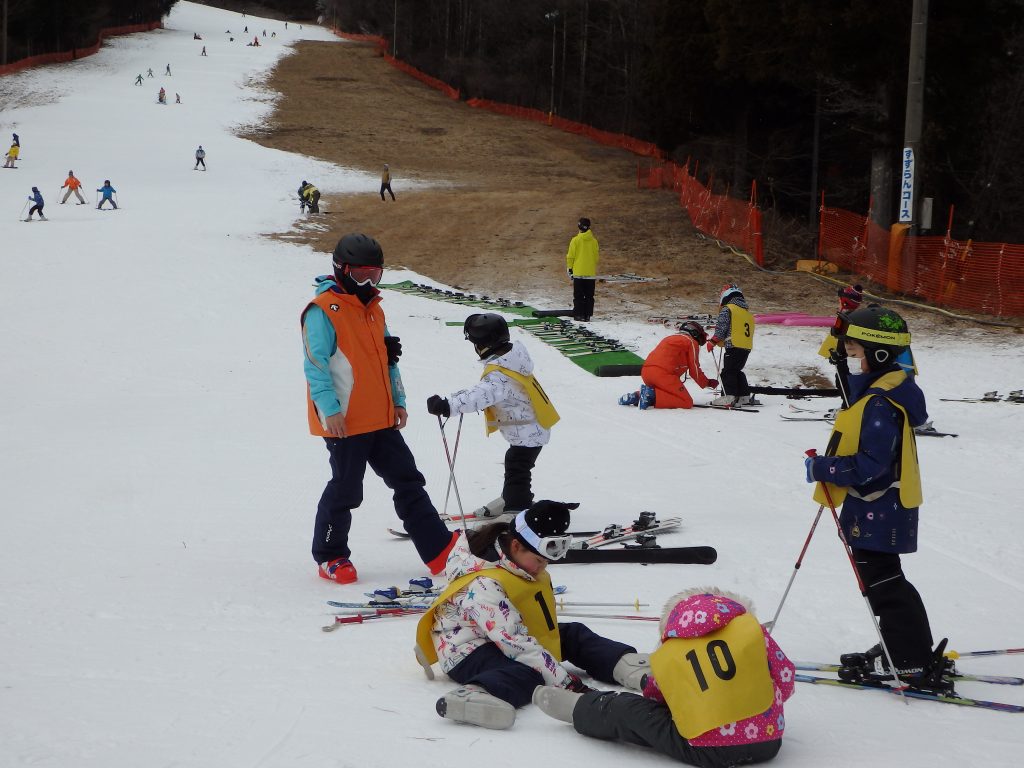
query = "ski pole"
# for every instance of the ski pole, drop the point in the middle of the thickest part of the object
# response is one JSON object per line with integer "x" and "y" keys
{"x": 22, "y": 214}
{"x": 451, "y": 474}
{"x": 622, "y": 617}
{"x": 636, "y": 605}
{"x": 451, "y": 469}
{"x": 360, "y": 618}
{"x": 770, "y": 626}
{"x": 998, "y": 652}
{"x": 863, "y": 589}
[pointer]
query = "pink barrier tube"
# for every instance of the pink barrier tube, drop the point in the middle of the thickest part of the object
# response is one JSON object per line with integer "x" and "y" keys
{"x": 810, "y": 321}
{"x": 779, "y": 317}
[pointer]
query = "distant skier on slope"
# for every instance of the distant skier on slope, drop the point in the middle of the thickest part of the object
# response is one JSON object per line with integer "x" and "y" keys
{"x": 675, "y": 356}
{"x": 12, "y": 155}
{"x": 714, "y": 694}
{"x": 200, "y": 158}
{"x": 513, "y": 402}
{"x": 310, "y": 197}
{"x": 108, "y": 194}
{"x": 37, "y": 199}
{"x": 73, "y": 185}
{"x": 495, "y": 631}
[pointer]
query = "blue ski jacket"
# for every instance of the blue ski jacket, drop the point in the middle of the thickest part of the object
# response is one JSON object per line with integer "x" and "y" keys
{"x": 881, "y": 524}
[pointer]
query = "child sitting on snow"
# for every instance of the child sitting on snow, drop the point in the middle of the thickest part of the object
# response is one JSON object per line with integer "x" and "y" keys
{"x": 495, "y": 629}
{"x": 714, "y": 695}
{"x": 512, "y": 400}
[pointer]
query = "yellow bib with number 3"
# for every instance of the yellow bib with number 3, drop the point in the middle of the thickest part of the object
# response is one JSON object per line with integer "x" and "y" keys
{"x": 715, "y": 679}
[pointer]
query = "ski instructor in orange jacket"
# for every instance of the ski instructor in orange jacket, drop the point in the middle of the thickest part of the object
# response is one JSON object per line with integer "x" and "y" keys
{"x": 675, "y": 356}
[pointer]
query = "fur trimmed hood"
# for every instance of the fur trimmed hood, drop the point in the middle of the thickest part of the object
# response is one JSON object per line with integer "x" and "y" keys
{"x": 700, "y": 611}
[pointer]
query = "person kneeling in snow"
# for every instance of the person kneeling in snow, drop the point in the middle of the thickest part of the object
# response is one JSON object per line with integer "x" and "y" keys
{"x": 675, "y": 356}
{"x": 495, "y": 629}
{"x": 715, "y": 692}
{"x": 512, "y": 400}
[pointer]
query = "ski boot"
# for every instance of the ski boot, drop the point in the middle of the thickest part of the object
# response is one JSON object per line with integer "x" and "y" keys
{"x": 725, "y": 401}
{"x": 646, "y": 397}
{"x": 472, "y": 704}
{"x": 872, "y": 668}
{"x": 630, "y": 398}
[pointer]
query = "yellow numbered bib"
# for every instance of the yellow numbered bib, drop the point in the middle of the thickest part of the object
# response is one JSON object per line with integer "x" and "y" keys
{"x": 546, "y": 414}
{"x": 715, "y": 679}
{"x": 741, "y": 329}
{"x": 847, "y": 427}
{"x": 535, "y": 601}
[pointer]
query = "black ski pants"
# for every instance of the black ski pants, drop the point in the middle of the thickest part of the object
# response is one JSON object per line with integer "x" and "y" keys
{"x": 386, "y": 187}
{"x": 734, "y": 381}
{"x": 627, "y": 717}
{"x": 387, "y": 454}
{"x": 582, "y": 298}
{"x": 513, "y": 682}
{"x": 900, "y": 610}
{"x": 517, "y": 491}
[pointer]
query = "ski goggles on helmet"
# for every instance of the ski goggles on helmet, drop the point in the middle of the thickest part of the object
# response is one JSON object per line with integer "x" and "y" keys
{"x": 549, "y": 547}
{"x": 361, "y": 274}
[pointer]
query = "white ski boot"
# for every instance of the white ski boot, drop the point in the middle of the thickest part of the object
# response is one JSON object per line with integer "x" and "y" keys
{"x": 558, "y": 703}
{"x": 631, "y": 669}
{"x": 472, "y": 704}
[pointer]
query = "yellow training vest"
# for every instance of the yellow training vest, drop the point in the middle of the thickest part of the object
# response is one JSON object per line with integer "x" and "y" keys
{"x": 545, "y": 412}
{"x": 714, "y": 679}
{"x": 535, "y": 601}
{"x": 741, "y": 329}
{"x": 847, "y": 428}
{"x": 830, "y": 344}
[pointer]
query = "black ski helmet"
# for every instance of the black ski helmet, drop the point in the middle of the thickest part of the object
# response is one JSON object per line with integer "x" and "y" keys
{"x": 694, "y": 329}
{"x": 881, "y": 331}
{"x": 358, "y": 250}
{"x": 583, "y": 224}
{"x": 488, "y": 333}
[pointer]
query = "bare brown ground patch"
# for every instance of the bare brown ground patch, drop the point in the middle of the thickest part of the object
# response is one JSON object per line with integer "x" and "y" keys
{"x": 507, "y": 196}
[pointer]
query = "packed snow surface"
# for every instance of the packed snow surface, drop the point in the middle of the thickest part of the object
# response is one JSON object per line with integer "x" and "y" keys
{"x": 157, "y": 483}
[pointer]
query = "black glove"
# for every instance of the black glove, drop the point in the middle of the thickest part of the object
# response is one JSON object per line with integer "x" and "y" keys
{"x": 836, "y": 356}
{"x": 394, "y": 345}
{"x": 576, "y": 685}
{"x": 438, "y": 406}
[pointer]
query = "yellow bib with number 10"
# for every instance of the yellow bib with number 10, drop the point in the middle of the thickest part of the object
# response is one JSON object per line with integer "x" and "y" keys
{"x": 714, "y": 679}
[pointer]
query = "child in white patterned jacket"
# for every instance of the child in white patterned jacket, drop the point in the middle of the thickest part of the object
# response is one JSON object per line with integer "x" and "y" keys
{"x": 495, "y": 630}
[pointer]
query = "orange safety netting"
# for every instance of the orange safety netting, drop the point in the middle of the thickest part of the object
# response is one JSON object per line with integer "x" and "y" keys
{"x": 77, "y": 53}
{"x": 979, "y": 277}
{"x": 607, "y": 138}
{"x": 732, "y": 221}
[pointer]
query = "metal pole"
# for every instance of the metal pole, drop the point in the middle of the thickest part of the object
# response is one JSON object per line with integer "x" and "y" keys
{"x": 915, "y": 92}
{"x": 551, "y": 108}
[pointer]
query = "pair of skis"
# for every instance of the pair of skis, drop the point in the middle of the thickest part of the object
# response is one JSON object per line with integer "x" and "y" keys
{"x": 594, "y": 546}
{"x": 1016, "y": 396}
{"x": 809, "y": 414}
{"x": 963, "y": 701}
